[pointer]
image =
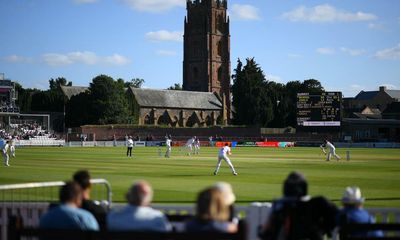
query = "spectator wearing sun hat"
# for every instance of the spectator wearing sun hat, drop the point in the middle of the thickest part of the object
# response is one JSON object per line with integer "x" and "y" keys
{"x": 353, "y": 211}
{"x": 229, "y": 199}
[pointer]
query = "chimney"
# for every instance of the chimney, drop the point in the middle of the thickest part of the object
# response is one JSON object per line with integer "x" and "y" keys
{"x": 382, "y": 88}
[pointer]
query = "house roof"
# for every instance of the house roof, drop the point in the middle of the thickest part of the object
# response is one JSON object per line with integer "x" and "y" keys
{"x": 393, "y": 93}
{"x": 70, "y": 91}
{"x": 368, "y": 95}
{"x": 176, "y": 99}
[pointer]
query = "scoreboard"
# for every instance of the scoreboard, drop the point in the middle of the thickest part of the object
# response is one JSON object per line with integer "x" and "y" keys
{"x": 319, "y": 110}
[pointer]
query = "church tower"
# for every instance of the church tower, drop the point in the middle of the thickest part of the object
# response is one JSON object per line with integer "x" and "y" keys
{"x": 206, "y": 61}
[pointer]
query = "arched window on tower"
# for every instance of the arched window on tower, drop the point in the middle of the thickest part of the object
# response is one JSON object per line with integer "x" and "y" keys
{"x": 219, "y": 48}
{"x": 220, "y": 23}
{"x": 220, "y": 74}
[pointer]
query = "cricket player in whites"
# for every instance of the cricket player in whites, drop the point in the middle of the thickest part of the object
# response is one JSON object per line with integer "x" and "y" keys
{"x": 189, "y": 146}
{"x": 223, "y": 155}
{"x": 196, "y": 145}
{"x": 168, "y": 144}
{"x": 6, "y": 157}
{"x": 332, "y": 150}
{"x": 12, "y": 146}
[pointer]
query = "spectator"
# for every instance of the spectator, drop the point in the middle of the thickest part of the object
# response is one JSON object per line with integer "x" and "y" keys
{"x": 353, "y": 212}
{"x": 229, "y": 198}
{"x": 138, "y": 215}
{"x": 83, "y": 179}
{"x": 298, "y": 216}
{"x": 68, "y": 215}
{"x": 212, "y": 213}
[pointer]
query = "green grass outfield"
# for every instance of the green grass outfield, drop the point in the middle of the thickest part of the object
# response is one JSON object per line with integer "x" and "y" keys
{"x": 178, "y": 179}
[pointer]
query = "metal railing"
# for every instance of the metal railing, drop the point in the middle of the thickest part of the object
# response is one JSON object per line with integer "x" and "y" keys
{"x": 31, "y": 200}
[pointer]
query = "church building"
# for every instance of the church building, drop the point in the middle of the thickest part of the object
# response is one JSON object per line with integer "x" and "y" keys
{"x": 205, "y": 99}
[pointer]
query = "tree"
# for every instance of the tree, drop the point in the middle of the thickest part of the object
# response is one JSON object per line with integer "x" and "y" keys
{"x": 108, "y": 101}
{"x": 250, "y": 100}
{"x": 135, "y": 83}
{"x": 176, "y": 86}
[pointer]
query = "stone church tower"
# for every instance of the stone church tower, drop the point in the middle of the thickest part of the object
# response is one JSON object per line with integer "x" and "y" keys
{"x": 206, "y": 62}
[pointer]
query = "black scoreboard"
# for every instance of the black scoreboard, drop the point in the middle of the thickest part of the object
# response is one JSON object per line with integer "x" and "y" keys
{"x": 319, "y": 110}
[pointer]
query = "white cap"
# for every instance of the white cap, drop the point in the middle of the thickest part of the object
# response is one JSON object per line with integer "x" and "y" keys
{"x": 352, "y": 195}
{"x": 227, "y": 192}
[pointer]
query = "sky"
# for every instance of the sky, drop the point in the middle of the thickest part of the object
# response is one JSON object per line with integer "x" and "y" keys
{"x": 349, "y": 46}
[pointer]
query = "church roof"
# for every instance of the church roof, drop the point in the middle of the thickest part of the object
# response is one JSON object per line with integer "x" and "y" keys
{"x": 70, "y": 91}
{"x": 176, "y": 99}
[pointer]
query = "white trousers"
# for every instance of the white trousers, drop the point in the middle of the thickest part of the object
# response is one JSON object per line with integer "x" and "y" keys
{"x": 6, "y": 158}
{"x": 331, "y": 153}
{"x": 227, "y": 160}
{"x": 12, "y": 151}
{"x": 168, "y": 152}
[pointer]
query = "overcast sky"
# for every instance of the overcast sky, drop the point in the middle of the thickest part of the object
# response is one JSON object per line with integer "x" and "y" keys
{"x": 348, "y": 45}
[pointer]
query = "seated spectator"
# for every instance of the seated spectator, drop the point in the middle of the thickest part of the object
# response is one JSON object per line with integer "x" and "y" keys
{"x": 298, "y": 216}
{"x": 83, "y": 179}
{"x": 353, "y": 212}
{"x": 229, "y": 197}
{"x": 138, "y": 216}
{"x": 212, "y": 213}
{"x": 68, "y": 215}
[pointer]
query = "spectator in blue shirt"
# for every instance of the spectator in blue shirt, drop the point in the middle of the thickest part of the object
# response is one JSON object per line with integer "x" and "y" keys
{"x": 68, "y": 215}
{"x": 353, "y": 211}
{"x": 138, "y": 215}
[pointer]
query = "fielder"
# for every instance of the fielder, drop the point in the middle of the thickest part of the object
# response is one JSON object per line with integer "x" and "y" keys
{"x": 12, "y": 147}
{"x": 168, "y": 143}
{"x": 332, "y": 150}
{"x": 196, "y": 145}
{"x": 223, "y": 155}
{"x": 6, "y": 157}
{"x": 189, "y": 146}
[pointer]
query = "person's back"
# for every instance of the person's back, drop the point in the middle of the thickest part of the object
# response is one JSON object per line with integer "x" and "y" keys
{"x": 300, "y": 219}
{"x": 65, "y": 217}
{"x": 68, "y": 215}
{"x": 353, "y": 212}
{"x": 82, "y": 177}
{"x": 137, "y": 218}
{"x": 298, "y": 216}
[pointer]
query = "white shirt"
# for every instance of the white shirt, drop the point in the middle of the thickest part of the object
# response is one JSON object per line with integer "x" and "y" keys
{"x": 330, "y": 146}
{"x": 190, "y": 142}
{"x": 130, "y": 143}
{"x": 168, "y": 142}
{"x": 223, "y": 151}
{"x": 138, "y": 218}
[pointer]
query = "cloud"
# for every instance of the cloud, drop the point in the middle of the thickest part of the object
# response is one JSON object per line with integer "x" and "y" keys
{"x": 388, "y": 86}
{"x": 326, "y": 51}
{"x": 166, "y": 53}
{"x": 87, "y": 58}
{"x": 84, "y": 1}
{"x": 389, "y": 53}
{"x": 376, "y": 26}
{"x": 163, "y": 35}
{"x": 245, "y": 12}
{"x": 153, "y": 5}
{"x": 353, "y": 52}
{"x": 17, "y": 59}
{"x": 326, "y": 13}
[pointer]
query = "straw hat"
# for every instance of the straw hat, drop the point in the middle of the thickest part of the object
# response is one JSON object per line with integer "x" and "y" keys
{"x": 227, "y": 192}
{"x": 352, "y": 195}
